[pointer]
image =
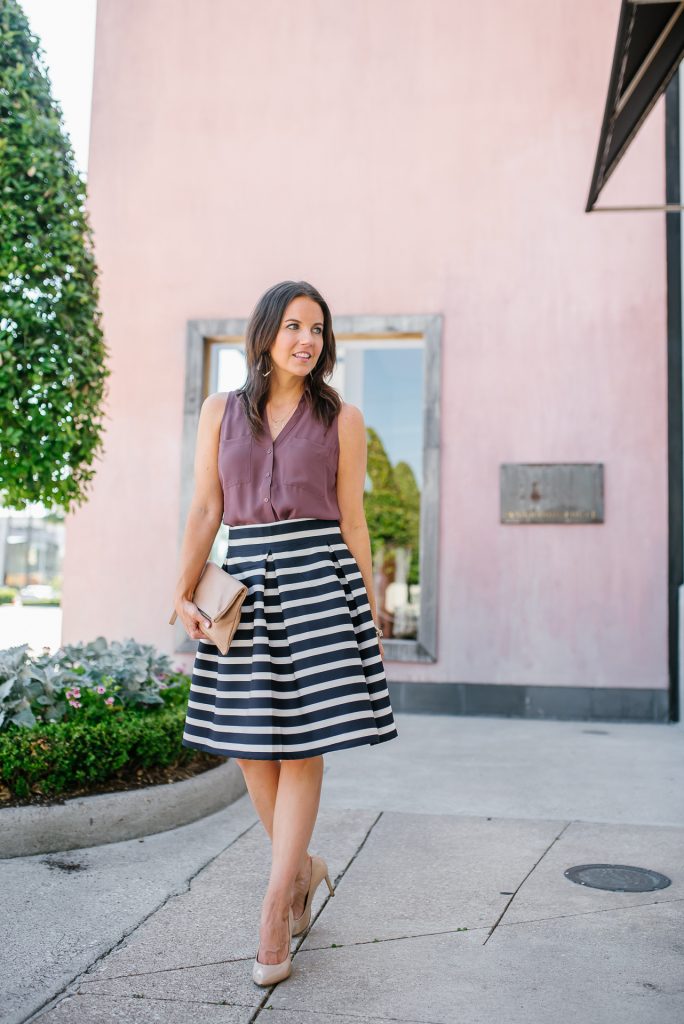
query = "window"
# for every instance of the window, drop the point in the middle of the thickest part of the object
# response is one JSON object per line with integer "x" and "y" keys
{"x": 389, "y": 368}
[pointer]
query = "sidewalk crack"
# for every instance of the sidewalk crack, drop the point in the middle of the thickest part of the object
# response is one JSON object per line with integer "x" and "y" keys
{"x": 519, "y": 887}
{"x": 362, "y": 1016}
{"x": 64, "y": 990}
{"x": 336, "y": 882}
{"x": 396, "y": 938}
{"x": 164, "y": 970}
{"x": 587, "y": 913}
{"x": 158, "y": 999}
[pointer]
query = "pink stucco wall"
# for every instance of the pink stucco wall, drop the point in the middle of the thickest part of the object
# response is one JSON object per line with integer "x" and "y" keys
{"x": 430, "y": 156}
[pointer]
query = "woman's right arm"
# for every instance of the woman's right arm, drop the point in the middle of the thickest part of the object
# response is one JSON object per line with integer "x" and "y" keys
{"x": 205, "y": 514}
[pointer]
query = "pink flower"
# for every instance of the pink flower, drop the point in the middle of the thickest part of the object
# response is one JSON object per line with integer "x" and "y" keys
{"x": 75, "y": 703}
{"x": 76, "y": 691}
{"x": 100, "y": 689}
{"x": 109, "y": 700}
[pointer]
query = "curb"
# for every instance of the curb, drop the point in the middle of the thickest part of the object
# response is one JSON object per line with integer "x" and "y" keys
{"x": 113, "y": 817}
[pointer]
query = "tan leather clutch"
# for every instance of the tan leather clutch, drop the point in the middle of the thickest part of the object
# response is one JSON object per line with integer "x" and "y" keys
{"x": 219, "y": 597}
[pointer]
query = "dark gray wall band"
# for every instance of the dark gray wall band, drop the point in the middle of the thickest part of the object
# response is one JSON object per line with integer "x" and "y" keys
{"x": 573, "y": 703}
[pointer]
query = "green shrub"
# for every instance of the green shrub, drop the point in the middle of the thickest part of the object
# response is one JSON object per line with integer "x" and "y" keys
{"x": 73, "y": 719}
{"x": 7, "y": 594}
{"x": 56, "y": 758}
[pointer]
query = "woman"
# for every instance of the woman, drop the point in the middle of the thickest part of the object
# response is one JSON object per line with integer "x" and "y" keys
{"x": 282, "y": 461}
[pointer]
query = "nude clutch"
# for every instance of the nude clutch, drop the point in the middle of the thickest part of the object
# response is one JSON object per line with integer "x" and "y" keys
{"x": 219, "y": 597}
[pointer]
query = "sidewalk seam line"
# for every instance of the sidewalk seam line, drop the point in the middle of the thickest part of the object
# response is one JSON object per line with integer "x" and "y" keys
{"x": 588, "y": 913}
{"x": 160, "y": 999}
{"x": 64, "y": 992}
{"x": 337, "y": 880}
{"x": 484, "y": 927}
{"x": 362, "y": 1016}
{"x": 519, "y": 887}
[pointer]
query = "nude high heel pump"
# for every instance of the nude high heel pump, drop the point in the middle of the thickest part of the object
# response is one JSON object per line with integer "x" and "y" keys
{"x": 269, "y": 974}
{"x": 319, "y": 871}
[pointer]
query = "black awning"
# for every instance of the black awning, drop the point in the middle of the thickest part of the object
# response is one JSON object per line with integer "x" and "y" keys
{"x": 648, "y": 50}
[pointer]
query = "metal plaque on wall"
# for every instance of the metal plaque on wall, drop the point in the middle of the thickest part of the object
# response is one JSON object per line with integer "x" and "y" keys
{"x": 547, "y": 492}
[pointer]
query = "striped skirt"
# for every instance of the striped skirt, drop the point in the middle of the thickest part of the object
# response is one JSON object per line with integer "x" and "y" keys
{"x": 303, "y": 674}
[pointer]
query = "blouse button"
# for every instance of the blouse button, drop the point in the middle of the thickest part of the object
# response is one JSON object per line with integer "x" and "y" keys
{"x": 265, "y": 499}
{"x": 268, "y": 451}
{"x": 268, "y": 474}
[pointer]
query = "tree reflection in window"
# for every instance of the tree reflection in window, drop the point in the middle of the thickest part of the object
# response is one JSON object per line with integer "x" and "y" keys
{"x": 392, "y": 508}
{"x": 384, "y": 378}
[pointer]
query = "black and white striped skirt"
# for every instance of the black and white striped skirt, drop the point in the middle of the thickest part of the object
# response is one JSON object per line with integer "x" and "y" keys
{"x": 303, "y": 674}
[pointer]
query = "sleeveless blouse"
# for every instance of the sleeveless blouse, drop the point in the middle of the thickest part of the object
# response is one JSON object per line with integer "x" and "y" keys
{"x": 266, "y": 480}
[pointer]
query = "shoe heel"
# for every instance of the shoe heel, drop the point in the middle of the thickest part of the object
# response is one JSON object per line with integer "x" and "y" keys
{"x": 319, "y": 871}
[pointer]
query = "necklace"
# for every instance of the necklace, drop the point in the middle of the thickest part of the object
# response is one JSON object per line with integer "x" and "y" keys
{"x": 279, "y": 423}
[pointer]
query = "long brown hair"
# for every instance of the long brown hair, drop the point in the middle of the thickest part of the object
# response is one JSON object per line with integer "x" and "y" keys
{"x": 262, "y": 327}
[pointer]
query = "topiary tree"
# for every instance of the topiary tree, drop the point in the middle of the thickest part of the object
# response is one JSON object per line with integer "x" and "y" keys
{"x": 392, "y": 509}
{"x": 52, "y": 351}
{"x": 386, "y": 513}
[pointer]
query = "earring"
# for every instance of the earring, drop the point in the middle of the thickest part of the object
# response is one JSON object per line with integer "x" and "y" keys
{"x": 267, "y": 372}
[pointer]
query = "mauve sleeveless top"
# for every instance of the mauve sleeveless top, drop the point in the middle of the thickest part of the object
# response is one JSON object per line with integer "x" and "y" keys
{"x": 265, "y": 480}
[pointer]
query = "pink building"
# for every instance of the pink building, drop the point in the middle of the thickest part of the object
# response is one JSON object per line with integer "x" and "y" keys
{"x": 425, "y": 164}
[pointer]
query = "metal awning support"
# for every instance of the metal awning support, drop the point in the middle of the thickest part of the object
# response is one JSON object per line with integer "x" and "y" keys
{"x": 667, "y": 207}
{"x": 648, "y": 50}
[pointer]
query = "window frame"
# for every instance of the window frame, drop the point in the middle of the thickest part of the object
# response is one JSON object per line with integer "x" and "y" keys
{"x": 201, "y": 338}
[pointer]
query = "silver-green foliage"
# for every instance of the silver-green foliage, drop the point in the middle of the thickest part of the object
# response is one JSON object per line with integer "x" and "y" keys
{"x": 33, "y": 688}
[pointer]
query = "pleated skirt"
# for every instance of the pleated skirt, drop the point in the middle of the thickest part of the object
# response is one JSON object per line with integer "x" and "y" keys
{"x": 303, "y": 675}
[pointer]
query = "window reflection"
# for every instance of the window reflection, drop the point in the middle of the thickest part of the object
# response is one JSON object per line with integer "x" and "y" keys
{"x": 231, "y": 368}
{"x": 227, "y": 372}
{"x": 384, "y": 378}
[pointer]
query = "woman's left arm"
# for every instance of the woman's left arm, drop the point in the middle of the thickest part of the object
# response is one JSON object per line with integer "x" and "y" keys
{"x": 351, "y": 480}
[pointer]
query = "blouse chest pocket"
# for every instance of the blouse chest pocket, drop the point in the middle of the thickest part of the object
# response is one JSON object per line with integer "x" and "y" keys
{"x": 235, "y": 461}
{"x": 308, "y": 465}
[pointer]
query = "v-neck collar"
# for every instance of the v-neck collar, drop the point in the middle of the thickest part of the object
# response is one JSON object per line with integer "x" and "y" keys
{"x": 267, "y": 441}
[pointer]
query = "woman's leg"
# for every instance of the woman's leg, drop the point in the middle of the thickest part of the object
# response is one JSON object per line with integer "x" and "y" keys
{"x": 293, "y": 820}
{"x": 261, "y": 779}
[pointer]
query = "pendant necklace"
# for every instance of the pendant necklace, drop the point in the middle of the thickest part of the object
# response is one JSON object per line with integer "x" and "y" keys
{"x": 282, "y": 419}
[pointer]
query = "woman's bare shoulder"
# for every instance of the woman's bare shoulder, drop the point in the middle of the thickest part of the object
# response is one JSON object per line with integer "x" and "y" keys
{"x": 214, "y": 406}
{"x": 350, "y": 416}
{"x": 351, "y": 426}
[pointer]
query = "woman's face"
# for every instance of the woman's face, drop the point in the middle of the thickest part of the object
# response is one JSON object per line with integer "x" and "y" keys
{"x": 301, "y": 331}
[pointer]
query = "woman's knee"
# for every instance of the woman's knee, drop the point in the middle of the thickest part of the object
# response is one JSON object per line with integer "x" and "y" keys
{"x": 253, "y": 762}
{"x": 245, "y": 763}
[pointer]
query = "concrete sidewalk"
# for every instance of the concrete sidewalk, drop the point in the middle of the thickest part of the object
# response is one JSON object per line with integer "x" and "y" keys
{"x": 446, "y": 848}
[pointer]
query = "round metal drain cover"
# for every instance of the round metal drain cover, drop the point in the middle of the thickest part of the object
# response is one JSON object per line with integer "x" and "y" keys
{"x": 617, "y": 877}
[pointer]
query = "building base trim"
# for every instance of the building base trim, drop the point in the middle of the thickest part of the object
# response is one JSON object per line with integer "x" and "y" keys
{"x": 578, "y": 703}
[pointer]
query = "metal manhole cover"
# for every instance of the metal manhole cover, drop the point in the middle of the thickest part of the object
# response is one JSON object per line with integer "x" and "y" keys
{"x": 617, "y": 877}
